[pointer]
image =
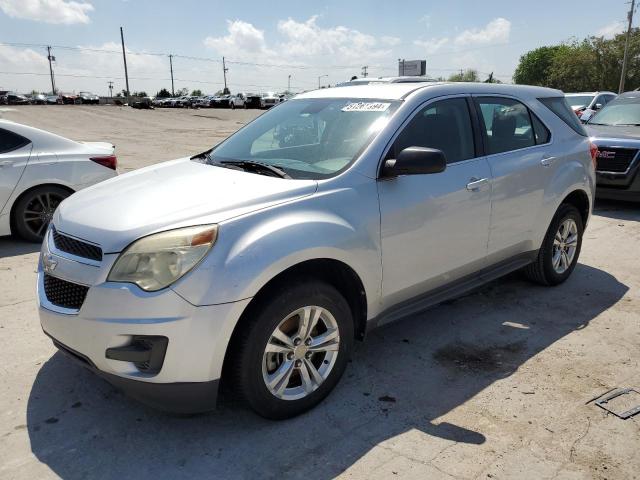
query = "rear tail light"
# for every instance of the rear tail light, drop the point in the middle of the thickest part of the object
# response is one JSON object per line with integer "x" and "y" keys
{"x": 109, "y": 161}
{"x": 593, "y": 150}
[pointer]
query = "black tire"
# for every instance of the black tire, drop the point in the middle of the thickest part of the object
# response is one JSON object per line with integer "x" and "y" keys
{"x": 541, "y": 270}
{"x": 42, "y": 199}
{"x": 246, "y": 362}
{"x": 232, "y": 105}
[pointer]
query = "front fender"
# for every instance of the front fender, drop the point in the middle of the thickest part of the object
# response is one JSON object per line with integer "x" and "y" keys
{"x": 253, "y": 250}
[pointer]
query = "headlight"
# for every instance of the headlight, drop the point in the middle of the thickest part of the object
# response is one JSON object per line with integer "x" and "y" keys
{"x": 157, "y": 261}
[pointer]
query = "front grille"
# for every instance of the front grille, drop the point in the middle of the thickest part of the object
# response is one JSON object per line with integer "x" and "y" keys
{"x": 64, "y": 294}
{"x": 614, "y": 159}
{"x": 76, "y": 247}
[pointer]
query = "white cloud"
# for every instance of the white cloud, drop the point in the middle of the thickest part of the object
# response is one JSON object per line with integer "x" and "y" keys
{"x": 48, "y": 11}
{"x": 611, "y": 29}
{"x": 390, "y": 41}
{"x": 305, "y": 39}
{"x": 242, "y": 40}
{"x": 431, "y": 46}
{"x": 496, "y": 31}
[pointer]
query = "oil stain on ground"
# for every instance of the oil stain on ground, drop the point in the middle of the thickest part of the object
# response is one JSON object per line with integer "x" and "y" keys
{"x": 472, "y": 358}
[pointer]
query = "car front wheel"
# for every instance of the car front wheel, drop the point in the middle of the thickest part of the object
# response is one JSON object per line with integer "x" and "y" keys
{"x": 293, "y": 351}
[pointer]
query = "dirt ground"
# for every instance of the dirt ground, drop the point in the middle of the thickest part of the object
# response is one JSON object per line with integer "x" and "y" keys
{"x": 492, "y": 385}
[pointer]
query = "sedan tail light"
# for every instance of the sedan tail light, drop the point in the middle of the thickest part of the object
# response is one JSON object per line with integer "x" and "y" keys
{"x": 109, "y": 161}
{"x": 593, "y": 150}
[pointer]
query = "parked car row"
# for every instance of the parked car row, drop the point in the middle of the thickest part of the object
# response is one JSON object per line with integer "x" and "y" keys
{"x": 238, "y": 100}
{"x": 13, "y": 98}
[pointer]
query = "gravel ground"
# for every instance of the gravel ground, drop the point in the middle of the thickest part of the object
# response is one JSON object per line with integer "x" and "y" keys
{"x": 491, "y": 385}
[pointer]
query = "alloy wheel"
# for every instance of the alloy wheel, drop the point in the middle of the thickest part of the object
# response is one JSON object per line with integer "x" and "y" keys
{"x": 565, "y": 244}
{"x": 300, "y": 353}
{"x": 39, "y": 211}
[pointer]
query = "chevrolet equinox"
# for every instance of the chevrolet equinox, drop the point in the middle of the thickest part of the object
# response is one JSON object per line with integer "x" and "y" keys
{"x": 260, "y": 261}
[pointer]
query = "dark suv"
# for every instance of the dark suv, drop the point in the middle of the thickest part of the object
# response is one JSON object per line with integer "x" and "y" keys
{"x": 616, "y": 131}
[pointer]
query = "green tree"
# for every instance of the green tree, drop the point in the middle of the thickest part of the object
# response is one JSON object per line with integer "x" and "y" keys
{"x": 534, "y": 66}
{"x": 141, "y": 93}
{"x": 592, "y": 64}
{"x": 163, "y": 93}
{"x": 196, "y": 93}
{"x": 182, "y": 92}
{"x": 574, "y": 68}
{"x": 469, "y": 75}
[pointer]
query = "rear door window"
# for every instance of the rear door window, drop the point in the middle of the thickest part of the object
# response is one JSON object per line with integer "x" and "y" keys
{"x": 507, "y": 124}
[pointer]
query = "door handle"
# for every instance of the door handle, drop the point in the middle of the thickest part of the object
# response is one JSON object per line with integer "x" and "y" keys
{"x": 476, "y": 184}
{"x": 547, "y": 161}
{"x": 6, "y": 163}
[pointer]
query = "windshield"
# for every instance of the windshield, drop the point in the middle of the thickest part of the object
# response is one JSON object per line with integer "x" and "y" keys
{"x": 308, "y": 138}
{"x": 622, "y": 111}
{"x": 576, "y": 101}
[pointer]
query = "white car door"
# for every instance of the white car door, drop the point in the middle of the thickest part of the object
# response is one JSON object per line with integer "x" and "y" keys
{"x": 435, "y": 227}
{"x": 15, "y": 151}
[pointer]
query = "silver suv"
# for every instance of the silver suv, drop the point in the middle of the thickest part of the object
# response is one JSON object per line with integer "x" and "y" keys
{"x": 259, "y": 262}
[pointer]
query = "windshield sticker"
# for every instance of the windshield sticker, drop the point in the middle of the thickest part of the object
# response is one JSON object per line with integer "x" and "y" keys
{"x": 366, "y": 107}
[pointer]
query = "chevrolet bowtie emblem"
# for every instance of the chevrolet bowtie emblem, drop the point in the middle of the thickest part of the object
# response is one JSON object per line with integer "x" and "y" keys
{"x": 49, "y": 263}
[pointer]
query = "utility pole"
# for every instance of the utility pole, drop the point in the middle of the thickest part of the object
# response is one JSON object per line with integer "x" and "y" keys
{"x": 171, "y": 67}
{"x": 51, "y": 58}
{"x": 321, "y": 76}
{"x": 124, "y": 57}
{"x": 224, "y": 73}
{"x": 289, "y": 84}
{"x": 364, "y": 71}
{"x": 626, "y": 47}
{"x": 110, "y": 89}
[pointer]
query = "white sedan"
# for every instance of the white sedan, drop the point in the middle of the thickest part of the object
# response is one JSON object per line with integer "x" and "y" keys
{"x": 38, "y": 170}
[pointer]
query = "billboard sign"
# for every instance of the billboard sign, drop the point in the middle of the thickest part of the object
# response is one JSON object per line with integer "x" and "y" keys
{"x": 414, "y": 68}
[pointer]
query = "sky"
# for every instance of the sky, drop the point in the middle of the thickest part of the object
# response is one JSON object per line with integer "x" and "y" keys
{"x": 271, "y": 45}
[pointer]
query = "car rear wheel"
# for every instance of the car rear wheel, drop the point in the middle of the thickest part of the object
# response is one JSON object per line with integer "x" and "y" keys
{"x": 34, "y": 211}
{"x": 293, "y": 351}
{"x": 560, "y": 249}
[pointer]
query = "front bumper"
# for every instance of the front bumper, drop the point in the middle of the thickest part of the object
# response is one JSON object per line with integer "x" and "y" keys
{"x": 618, "y": 186}
{"x": 113, "y": 314}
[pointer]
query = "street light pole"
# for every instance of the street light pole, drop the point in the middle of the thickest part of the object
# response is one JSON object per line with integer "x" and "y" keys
{"x": 173, "y": 94}
{"x": 626, "y": 48}
{"x": 289, "y": 84}
{"x": 124, "y": 58}
{"x": 321, "y": 76}
{"x": 224, "y": 73}
{"x": 53, "y": 83}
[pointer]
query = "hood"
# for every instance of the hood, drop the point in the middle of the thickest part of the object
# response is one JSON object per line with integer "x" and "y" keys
{"x": 613, "y": 132}
{"x": 169, "y": 195}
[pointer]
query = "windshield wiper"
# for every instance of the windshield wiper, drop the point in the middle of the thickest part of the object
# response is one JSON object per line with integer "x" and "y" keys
{"x": 265, "y": 167}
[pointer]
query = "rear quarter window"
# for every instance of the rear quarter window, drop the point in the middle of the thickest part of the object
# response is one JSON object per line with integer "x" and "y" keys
{"x": 10, "y": 141}
{"x": 560, "y": 107}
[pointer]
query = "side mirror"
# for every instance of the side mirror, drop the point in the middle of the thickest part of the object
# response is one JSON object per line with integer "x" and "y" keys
{"x": 597, "y": 106}
{"x": 415, "y": 161}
